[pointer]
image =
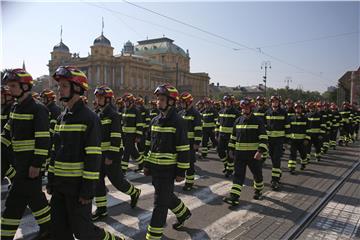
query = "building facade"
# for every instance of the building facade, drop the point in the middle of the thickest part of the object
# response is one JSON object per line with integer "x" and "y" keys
{"x": 138, "y": 69}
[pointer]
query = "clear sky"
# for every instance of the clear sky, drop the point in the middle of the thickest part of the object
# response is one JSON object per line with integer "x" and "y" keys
{"x": 316, "y": 42}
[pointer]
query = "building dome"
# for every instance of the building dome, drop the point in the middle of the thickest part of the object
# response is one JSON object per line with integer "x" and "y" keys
{"x": 102, "y": 41}
{"x": 128, "y": 48}
{"x": 61, "y": 47}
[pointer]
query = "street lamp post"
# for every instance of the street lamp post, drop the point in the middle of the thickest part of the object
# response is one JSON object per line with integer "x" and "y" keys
{"x": 265, "y": 65}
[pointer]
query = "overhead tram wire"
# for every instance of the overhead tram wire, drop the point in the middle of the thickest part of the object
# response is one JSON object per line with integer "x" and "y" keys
{"x": 225, "y": 39}
{"x": 159, "y": 25}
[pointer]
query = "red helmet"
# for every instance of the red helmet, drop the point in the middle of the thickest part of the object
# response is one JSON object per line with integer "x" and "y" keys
{"x": 260, "y": 98}
{"x": 104, "y": 91}
{"x": 35, "y": 95}
{"x": 5, "y": 91}
{"x": 246, "y": 103}
{"x": 128, "y": 97}
{"x": 333, "y": 106}
{"x": 47, "y": 93}
{"x": 289, "y": 101}
{"x": 299, "y": 105}
{"x": 73, "y": 75}
{"x": 19, "y": 75}
{"x": 187, "y": 98}
{"x": 275, "y": 97}
{"x": 319, "y": 104}
{"x": 228, "y": 98}
{"x": 167, "y": 90}
{"x": 311, "y": 105}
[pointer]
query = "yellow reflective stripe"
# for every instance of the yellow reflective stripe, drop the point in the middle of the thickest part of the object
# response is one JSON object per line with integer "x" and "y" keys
{"x": 263, "y": 137}
{"x": 163, "y": 155}
{"x": 90, "y": 175}
{"x": 7, "y": 126}
{"x": 115, "y": 134}
{"x": 163, "y": 129}
{"x": 155, "y": 230}
{"x": 53, "y": 121}
{"x": 183, "y": 148}
{"x": 129, "y": 115}
{"x": 159, "y": 161}
{"x": 225, "y": 129}
{"x": 147, "y": 142}
{"x": 207, "y": 114}
{"x": 139, "y": 132}
{"x": 41, "y": 211}
{"x": 114, "y": 149}
{"x": 233, "y": 137}
{"x": 263, "y": 145}
{"x": 298, "y": 123}
{"x": 8, "y": 233}
{"x": 68, "y": 173}
{"x": 313, "y": 130}
{"x": 314, "y": 119}
{"x": 198, "y": 138}
{"x": 9, "y": 221}
{"x": 5, "y": 141}
{"x": 43, "y": 152}
{"x": 276, "y": 133}
{"x": 287, "y": 126}
{"x": 45, "y": 219}
{"x": 246, "y": 126}
{"x": 106, "y": 121}
{"x": 51, "y": 169}
{"x": 259, "y": 114}
{"x": 227, "y": 115}
{"x": 232, "y": 145}
{"x": 190, "y": 134}
{"x": 129, "y": 129}
{"x": 183, "y": 165}
{"x": 275, "y": 117}
{"x": 297, "y": 136}
{"x": 20, "y": 116}
{"x": 69, "y": 165}
{"x": 42, "y": 134}
{"x": 198, "y": 128}
{"x": 212, "y": 124}
{"x": 188, "y": 117}
{"x": 246, "y": 146}
{"x": 70, "y": 127}
{"x": 93, "y": 150}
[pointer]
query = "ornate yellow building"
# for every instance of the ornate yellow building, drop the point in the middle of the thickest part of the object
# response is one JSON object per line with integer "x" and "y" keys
{"x": 138, "y": 69}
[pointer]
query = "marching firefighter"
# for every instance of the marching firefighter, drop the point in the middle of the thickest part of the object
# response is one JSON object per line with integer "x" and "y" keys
{"x": 132, "y": 131}
{"x": 209, "y": 119}
{"x": 336, "y": 119}
{"x": 47, "y": 97}
{"x": 167, "y": 160}
{"x": 248, "y": 142}
{"x": 346, "y": 123}
{"x": 315, "y": 130}
{"x": 112, "y": 150}
{"x": 145, "y": 120}
{"x": 194, "y": 133}
{"x": 27, "y": 136}
{"x": 74, "y": 171}
{"x": 259, "y": 112}
{"x": 7, "y": 170}
{"x": 356, "y": 110}
{"x": 298, "y": 138}
{"x": 120, "y": 106}
{"x": 325, "y": 127}
{"x": 276, "y": 126}
{"x": 227, "y": 117}
{"x": 289, "y": 103}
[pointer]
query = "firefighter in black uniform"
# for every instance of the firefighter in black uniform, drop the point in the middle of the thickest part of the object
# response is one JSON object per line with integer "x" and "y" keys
{"x": 167, "y": 160}
{"x": 74, "y": 170}
{"x": 315, "y": 130}
{"x": 194, "y": 133}
{"x": 47, "y": 97}
{"x": 145, "y": 120}
{"x": 290, "y": 107}
{"x": 7, "y": 170}
{"x": 298, "y": 138}
{"x": 209, "y": 119}
{"x": 132, "y": 131}
{"x": 276, "y": 125}
{"x": 346, "y": 123}
{"x": 27, "y": 136}
{"x": 259, "y": 112}
{"x": 336, "y": 119}
{"x": 248, "y": 142}
{"x": 112, "y": 150}
{"x": 227, "y": 117}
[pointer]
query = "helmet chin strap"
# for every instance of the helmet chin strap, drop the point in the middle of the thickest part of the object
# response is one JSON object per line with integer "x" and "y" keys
{"x": 22, "y": 92}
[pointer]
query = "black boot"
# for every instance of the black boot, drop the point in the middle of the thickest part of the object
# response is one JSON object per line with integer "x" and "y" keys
{"x": 232, "y": 200}
{"x": 228, "y": 173}
{"x": 275, "y": 185}
{"x": 302, "y": 167}
{"x": 101, "y": 212}
{"x": 258, "y": 195}
{"x": 181, "y": 220}
{"x": 188, "y": 187}
{"x": 292, "y": 171}
{"x": 135, "y": 198}
{"x": 140, "y": 167}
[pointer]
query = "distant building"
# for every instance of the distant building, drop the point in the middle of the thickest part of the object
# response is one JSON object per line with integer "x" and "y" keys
{"x": 138, "y": 69}
{"x": 349, "y": 87}
{"x": 242, "y": 91}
